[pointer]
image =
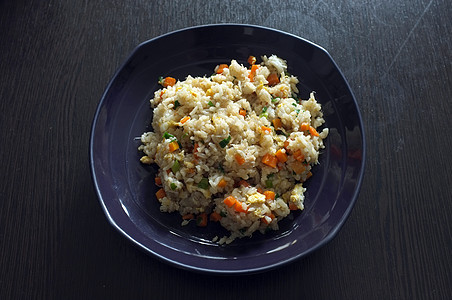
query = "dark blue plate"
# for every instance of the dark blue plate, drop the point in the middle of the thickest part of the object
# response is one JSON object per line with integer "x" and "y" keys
{"x": 126, "y": 187}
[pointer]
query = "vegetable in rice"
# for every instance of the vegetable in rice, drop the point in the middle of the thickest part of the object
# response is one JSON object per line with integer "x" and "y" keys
{"x": 234, "y": 147}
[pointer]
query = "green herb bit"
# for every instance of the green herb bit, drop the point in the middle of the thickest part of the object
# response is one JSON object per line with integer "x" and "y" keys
{"x": 173, "y": 186}
{"x": 294, "y": 104}
{"x": 276, "y": 196}
{"x": 185, "y": 135}
{"x": 269, "y": 184}
{"x": 264, "y": 110}
{"x": 210, "y": 104}
{"x": 224, "y": 142}
{"x": 204, "y": 184}
{"x": 280, "y": 132}
{"x": 175, "y": 167}
{"x": 167, "y": 135}
{"x": 160, "y": 80}
{"x": 274, "y": 100}
{"x": 176, "y": 104}
{"x": 265, "y": 115}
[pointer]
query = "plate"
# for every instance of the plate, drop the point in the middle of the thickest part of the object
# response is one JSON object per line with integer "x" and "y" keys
{"x": 126, "y": 189}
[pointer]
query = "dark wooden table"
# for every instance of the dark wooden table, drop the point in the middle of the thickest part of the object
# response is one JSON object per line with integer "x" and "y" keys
{"x": 56, "y": 58}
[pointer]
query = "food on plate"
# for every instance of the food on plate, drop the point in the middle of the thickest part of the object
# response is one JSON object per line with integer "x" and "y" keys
{"x": 234, "y": 147}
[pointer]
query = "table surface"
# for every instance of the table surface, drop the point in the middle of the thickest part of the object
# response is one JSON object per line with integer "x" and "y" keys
{"x": 56, "y": 59}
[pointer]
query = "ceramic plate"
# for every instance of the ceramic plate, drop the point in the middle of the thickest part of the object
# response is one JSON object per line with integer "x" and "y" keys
{"x": 126, "y": 187}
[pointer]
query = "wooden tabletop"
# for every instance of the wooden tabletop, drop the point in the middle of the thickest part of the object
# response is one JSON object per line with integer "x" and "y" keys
{"x": 56, "y": 59}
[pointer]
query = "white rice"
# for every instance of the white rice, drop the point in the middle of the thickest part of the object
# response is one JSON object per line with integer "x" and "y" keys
{"x": 210, "y": 173}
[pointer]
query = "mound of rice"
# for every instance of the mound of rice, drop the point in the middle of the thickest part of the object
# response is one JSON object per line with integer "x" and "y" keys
{"x": 234, "y": 147}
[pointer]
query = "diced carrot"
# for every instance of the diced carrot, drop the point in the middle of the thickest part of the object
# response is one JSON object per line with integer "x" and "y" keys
{"x": 160, "y": 193}
{"x": 162, "y": 92}
{"x": 188, "y": 217}
{"x": 260, "y": 190}
{"x": 251, "y": 60}
{"x": 195, "y": 150}
{"x": 173, "y": 146}
{"x": 269, "y": 195}
{"x": 304, "y": 127}
{"x": 292, "y": 206}
{"x": 158, "y": 180}
{"x": 298, "y": 155}
{"x": 281, "y": 156}
{"x": 169, "y": 81}
{"x": 184, "y": 119}
{"x": 277, "y": 123}
{"x": 273, "y": 79}
{"x": 215, "y": 217}
{"x": 286, "y": 145}
{"x": 221, "y": 67}
{"x": 239, "y": 159}
{"x": 297, "y": 167}
{"x": 242, "y": 112}
{"x": 244, "y": 183}
{"x": 265, "y": 220}
{"x": 266, "y": 130}
{"x": 222, "y": 183}
{"x": 230, "y": 201}
{"x": 270, "y": 160}
{"x": 253, "y": 72}
{"x": 239, "y": 207}
{"x": 201, "y": 220}
{"x": 313, "y": 132}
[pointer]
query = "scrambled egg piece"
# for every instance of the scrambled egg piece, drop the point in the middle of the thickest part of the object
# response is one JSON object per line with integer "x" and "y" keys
{"x": 297, "y": 195}
{"x": 256, "y": 198}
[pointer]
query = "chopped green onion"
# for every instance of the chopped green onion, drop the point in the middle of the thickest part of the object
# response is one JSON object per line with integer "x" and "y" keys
{"x": 224, "y": 142}
{"x": 175, "y": 167}
{"x": 265, "y": 115}
{"x": 294, "y": 104}
{"x": 176, "y": 104}
{"x": 274, "y": 100}
{"x": 167, "y": 135}
{"x": 160, "y": 80}
{"x": 210, "y": 103}
{"x": 185, "y": 135}
{"x": 280, "y": 132}
{"x": 268, "y": 184}
{"x": 173, "y": 186}
{"x": 204, "y": 184}
{"x": 264, "y": 110}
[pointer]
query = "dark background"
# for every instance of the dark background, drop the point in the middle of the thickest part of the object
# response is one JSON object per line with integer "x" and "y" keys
{"x": 56, "y": 58}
